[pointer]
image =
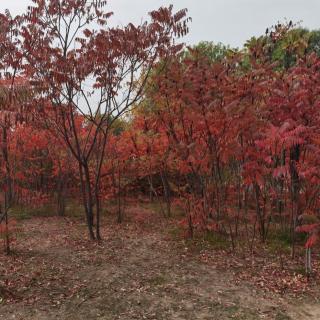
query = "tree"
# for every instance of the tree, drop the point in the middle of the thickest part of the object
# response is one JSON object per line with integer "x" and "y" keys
{"x": 90, "y": 75}
{"x": 14, "y": 91}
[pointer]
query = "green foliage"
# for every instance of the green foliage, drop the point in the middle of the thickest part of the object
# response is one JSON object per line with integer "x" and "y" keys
{"x": 287, "y": 48}
{"x": 118, "y": 126}
{"x": 291, "y": 47}
{"x": 314, "y": 42}
{"x": 214, "y": 52}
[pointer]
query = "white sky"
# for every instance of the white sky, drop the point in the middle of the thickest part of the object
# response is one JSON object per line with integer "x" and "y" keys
{"x": 228, "y": 21}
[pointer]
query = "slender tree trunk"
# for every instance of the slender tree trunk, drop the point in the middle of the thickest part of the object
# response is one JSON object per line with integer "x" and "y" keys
{"x": 87, "y": 197}
{"x": 98, "y": 213}
{"x": 260, "y": 215}
{"x": 119, "y": 196}
{"x": 151, "y": 188}
{"x": 295, "y": 189}
{"x": 8, "y": 193}
{"x": 166, "y": 190}
{"x": 7, "y": 236}
{"x": 308, "y": 262}
{"x": 61, "y": 197}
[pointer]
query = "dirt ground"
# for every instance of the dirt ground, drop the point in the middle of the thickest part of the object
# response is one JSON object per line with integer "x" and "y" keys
{"x": 137, "y": 272}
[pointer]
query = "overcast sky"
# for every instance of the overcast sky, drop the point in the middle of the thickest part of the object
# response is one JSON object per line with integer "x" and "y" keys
{"x": 228, "y": 21}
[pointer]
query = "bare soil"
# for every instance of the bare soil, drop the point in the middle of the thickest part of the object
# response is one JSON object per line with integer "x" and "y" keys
{"x": 137, "y": 272}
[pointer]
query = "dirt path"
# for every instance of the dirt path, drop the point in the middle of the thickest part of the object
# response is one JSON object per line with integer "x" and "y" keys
{"x": 133, "y": 275}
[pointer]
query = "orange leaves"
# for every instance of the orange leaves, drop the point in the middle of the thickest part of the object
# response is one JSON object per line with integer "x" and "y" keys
{"x": 281, "y": 171}
{"x": 313, "y": 231}
{"x": 312, "y": 240}
{"x": 308, "y": 228}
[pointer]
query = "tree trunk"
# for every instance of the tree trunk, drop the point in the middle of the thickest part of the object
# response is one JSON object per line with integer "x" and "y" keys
{"x": 61, "y": 197}
{"x": 7, "y": 236}
{"x": 308, "y": 262}
{"x": 119, "y": 196}
{"x": 8, "y": 193}
{"x": 98, "y": 214}
{"x": 87, "y": 199}
{"x": 166, "y": 190}
{"x": 260, "y": 214}
{"x": 295, "y": 190}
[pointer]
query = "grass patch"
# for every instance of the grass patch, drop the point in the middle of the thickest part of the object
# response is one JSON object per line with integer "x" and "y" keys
{"x": 73, "y": 209}
{"x": 208, "y": 241}
{"x": 282, "y": 316}
{"x": 155, "y": 206}
{"x": 23, "y": 213}
{"x": 215, "y": 240}
{"x": 157, "y": 281}
{"x": 279, "y": 241}
{"x": 160, "y": 208}
{"x": 175, "y": 232}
